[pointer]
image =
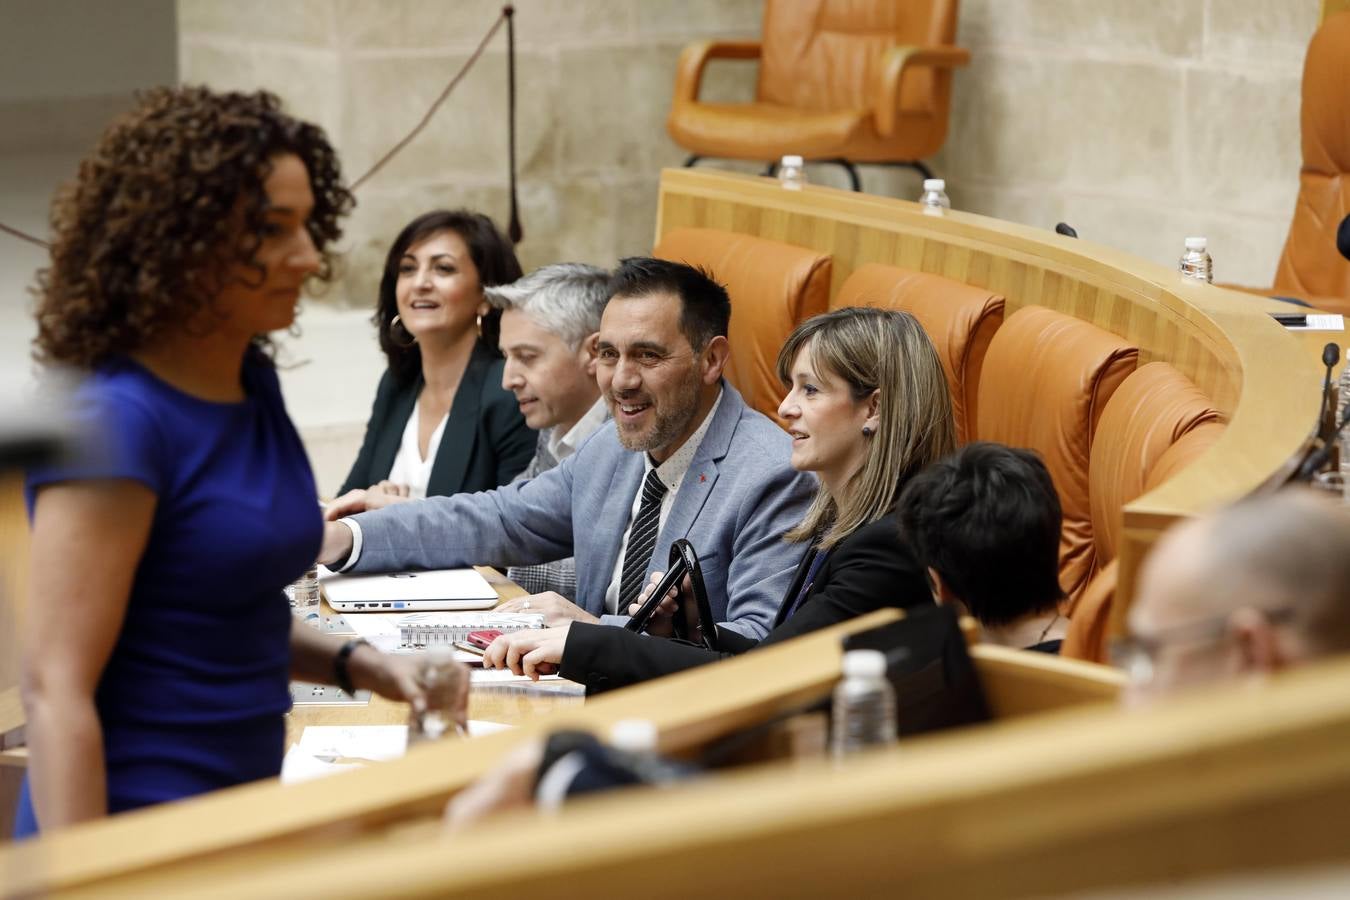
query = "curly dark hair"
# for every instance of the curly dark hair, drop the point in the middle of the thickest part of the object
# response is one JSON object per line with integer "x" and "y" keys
{"x": 492, "y": 255}
{"x": 144, "y": 236}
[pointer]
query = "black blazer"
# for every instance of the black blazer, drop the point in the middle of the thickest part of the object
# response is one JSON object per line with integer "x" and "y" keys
{"x": 870, "y": 569}
{"x": 485, "y": 444}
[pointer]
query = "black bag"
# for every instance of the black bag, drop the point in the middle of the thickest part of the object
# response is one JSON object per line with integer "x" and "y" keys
{"x": 683, "y": 561}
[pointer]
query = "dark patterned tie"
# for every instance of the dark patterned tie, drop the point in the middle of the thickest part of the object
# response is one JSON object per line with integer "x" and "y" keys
{"x": 641, "y": 542}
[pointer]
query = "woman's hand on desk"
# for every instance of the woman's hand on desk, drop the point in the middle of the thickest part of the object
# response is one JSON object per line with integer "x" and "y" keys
{"x": 395, "y": 677}
{"x": 557, "y": 609}
{"x": 363, "y": 500}
{"x": 531, "y": 652}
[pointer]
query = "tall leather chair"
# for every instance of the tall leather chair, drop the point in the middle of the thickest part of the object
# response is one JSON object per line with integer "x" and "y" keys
{"x": 1153, "y": 409}
{"x": 1047, "y": 378}
{"x": 959, "y": 318}
{"x": 846, "y": 81}
{"x": 1311, "y": 268}
{"x": 773, "y": 287}
{"x": 1089, "y": 634}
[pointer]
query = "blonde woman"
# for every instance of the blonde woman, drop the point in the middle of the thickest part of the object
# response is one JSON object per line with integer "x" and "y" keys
{"x": 867, "y": 408}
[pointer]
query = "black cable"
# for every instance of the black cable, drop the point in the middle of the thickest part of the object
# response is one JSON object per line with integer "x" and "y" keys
{"x": 513, "y": 230}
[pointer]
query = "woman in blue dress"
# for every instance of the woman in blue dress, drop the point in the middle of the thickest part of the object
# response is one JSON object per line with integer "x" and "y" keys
{"x": 159, "y": 644}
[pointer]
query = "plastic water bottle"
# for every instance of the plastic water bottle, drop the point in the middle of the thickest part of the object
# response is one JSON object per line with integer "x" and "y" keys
{"x": 864, "y": 704}
{"x": 442, "y": 685}
{"x": 1196, "y": 262}
{"x": 791, "y": 175}
{"x": 934, "y": 199}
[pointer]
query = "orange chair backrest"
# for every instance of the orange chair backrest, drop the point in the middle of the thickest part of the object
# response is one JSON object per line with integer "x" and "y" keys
{"x": 960, "y": 319}
{"x": 1089, "y": 634}
{"x": 773, "y": 287}
{"x": 1147, "y": 414}
{"x": 823, "y": 55}
{"x": 1310, "y": 264}
{"x": 1046, "y": 379}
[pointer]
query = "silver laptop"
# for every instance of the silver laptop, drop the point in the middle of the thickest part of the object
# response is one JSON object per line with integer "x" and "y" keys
{"x": 438, "y": 589}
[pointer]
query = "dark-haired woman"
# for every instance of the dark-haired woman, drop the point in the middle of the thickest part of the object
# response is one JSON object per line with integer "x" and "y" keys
{"x": 159, "y": 644}
{"x": 442, "y": 423}
{"x": 868, "y": 407}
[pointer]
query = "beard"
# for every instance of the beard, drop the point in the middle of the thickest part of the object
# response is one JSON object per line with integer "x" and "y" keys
{"x": 671, "y": 421}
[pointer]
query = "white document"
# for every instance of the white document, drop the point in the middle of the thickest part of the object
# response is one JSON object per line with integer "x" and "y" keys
{"x": 1321, "y": 322}
{"x": 329, "y": 749}
{"x": 430, "y": 590}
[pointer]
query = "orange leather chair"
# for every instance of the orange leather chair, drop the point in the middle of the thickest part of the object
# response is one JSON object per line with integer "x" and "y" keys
{"x": 839, "y": 80}
{"x": 773, "y": 287}
{"x": 1311, "y": 268}
{"x": 1089, "y": 635}
{"x": 1152, "y": 410}
{"x": 1047, "y": 378}
{"x": 961, "y": 320}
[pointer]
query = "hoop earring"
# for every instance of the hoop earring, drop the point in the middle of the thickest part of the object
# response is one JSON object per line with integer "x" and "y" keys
{"x": 396, "y": 323}
{"x": 867, "y": 431}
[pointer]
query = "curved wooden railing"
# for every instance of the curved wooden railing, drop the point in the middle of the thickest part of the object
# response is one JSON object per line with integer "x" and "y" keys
{"x": 1264, "y": 379}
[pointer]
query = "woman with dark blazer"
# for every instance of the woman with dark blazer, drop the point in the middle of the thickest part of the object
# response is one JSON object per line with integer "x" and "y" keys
{"x": 867, "y": 408}
{"x": 441, "y": 422}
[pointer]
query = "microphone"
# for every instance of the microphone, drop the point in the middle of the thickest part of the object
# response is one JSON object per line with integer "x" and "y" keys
{"x": 1068, "y": 230}
{"x": 1343, "y": 237}
{"x": 1328, "y": 429}
{"x": 1331, "y": 354}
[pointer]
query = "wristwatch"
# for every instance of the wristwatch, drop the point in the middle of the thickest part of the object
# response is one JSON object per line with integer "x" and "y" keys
{"x": 341, "y": 676}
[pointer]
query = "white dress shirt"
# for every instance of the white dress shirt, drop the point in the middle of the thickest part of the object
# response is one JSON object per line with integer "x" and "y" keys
{"x": 409, "y": 467}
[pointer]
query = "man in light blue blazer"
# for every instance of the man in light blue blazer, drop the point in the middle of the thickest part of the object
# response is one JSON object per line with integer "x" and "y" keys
{"x": 684, "y": 457}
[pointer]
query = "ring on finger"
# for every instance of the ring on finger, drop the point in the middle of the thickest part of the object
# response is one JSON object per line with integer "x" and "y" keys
{"x": 526, "y": 604}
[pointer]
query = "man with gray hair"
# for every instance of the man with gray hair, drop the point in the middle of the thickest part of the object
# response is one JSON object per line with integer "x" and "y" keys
{"x": 1256, "y": 587}
{"x": 549, "y": 325}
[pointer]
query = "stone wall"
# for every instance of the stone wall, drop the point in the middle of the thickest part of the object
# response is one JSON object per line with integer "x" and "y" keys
{"x": 593, "y": 87}
{"x": 1139, "y": 123}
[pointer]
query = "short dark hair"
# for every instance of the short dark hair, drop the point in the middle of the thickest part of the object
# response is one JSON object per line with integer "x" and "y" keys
{"x": 705, "y": 307}
{"x": 987, "y": 518}
{"x": 492, "y": 255}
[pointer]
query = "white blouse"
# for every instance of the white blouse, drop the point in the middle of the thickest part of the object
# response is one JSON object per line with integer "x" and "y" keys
{"x": 409, "y": 466}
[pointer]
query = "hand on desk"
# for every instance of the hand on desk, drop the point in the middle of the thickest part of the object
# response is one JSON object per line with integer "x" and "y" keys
{"x": 532, "y": 652}
{"x": 395, "y": 677}
{"x": 557, "y": 609}
{"x": 365, "y": 499}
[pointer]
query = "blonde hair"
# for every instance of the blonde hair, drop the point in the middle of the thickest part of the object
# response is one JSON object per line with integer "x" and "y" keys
{"x": 889, "y": 352}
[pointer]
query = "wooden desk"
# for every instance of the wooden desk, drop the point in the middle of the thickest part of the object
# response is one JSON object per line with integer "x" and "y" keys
{"x": 492, "y": 704}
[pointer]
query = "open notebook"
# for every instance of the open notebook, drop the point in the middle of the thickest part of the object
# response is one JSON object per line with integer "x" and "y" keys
{"x": 437, "y": 589}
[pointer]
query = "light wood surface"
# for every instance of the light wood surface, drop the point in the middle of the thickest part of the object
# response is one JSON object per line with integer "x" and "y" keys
{"x": 1245, "y": 779}
{"x": 508, "y": 707}
{"x": 1264, "y": 379}
{"x": 275, "y": 821}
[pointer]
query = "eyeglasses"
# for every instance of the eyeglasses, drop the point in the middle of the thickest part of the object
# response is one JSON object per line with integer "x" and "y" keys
{"x": 1137, "y": 654}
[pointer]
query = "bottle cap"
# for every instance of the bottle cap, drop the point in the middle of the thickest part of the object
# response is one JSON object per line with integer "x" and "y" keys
{"x": 934, "y": 184}
{"x": 864, "y": 664}
{"x": 633, "y": 735}
{"x": 1196, "y": 243}
{"x": 791, "y": 161}
{"x": 440, "y": 654}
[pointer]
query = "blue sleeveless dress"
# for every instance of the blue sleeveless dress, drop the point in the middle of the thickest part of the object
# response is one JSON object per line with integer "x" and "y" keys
{"x": 193, "y": 696}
